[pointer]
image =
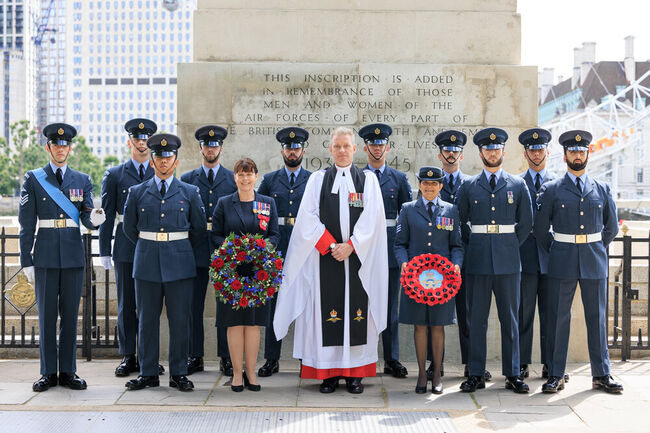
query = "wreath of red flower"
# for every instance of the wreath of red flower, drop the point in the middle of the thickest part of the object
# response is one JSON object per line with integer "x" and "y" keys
{"x": 410, "y": 279}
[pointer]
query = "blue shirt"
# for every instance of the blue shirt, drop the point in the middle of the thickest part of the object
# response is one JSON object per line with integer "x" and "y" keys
{"x": 137, "y": 165}
{"x": 215, "y": 169}
{"x": 168, "y": 182}
{"x": 488, "y": 175}
{"x": 583, "y": 178}
{"x": 434, "y": 201}
{"x": 55, "y": 168}
{"x": 381, "y": 169}
{"x": 454, "y": 175}
{"x": 533, "y": 174}
{"x": 295, "y": 173}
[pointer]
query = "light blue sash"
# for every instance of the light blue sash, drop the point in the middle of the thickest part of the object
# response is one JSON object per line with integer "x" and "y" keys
{"x": 56, "y": 195}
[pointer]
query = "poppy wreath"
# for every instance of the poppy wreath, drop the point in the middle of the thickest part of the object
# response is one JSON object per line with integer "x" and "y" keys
{"x": 410, "y": 279}
{"x": 246, "y": 271}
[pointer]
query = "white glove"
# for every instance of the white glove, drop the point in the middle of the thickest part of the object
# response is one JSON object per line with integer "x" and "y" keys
{"x": 107, "y": 263}
{"x": 29, "y": 273}
{"x": 97, "y": 217}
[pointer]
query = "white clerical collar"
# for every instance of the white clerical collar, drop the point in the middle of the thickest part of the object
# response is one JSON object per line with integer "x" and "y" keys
{"x": 343, "y": 175}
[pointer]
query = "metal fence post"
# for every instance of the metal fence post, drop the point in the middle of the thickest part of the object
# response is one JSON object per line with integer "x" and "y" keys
{"x": 626, "y": 310}
{"x": 87, "y": 298}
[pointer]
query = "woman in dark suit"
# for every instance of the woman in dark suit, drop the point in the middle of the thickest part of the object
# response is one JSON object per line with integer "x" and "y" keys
{"x": 422, "y": 230}
{"x": 234, "y": 214}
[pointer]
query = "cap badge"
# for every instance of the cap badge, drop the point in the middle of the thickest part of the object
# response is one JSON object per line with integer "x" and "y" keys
{"x": 61, "y": 131}
{"x": 535, "y": 135}
{"x": 141, "y": 125}
{"x": 430, "y": 173}
{"x": 292, "y": 134}
{"x": 578, "y": 137}
{"x": 493, "y": 137}
{"x": 452, "y": 138}
{"x": 211, "y": 133}
{"x": 377, "y": 131}
{"x": 163, "y": 142}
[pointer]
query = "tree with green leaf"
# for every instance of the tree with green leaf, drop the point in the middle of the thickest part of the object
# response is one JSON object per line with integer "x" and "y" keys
{"x": 25, "y": 153}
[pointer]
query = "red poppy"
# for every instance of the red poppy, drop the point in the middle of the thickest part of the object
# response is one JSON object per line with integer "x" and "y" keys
{"x": 260, "y": 243}
{"x": 273, "y": 274}
{"x": 241, "y": 256}
{"x": 218, "y": 263}
{"x": 236, "y": 285}
{"x": 218, "y": 286}
{"x": 278, "y": 264}
{"x": 233, "y": 265}
{"x": 262, "y": 275}
{"x": 270, "y": 291}
{"x": 237, "y": 242}
{"x": 222, "y": 252}
{"x": 243, "y": 302}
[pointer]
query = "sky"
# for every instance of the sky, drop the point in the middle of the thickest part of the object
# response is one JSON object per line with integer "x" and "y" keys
{"x": 552, "y": 28}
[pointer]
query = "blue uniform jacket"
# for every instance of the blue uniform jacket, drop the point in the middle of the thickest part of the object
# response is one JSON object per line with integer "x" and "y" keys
{"x": 115, "y": 187}
{"x": 561, "y": 206}
{"x": 395, "y": 191}
{"x": 534, "y": 258}
{"x": 287, "y": 199}
{"x": 55, "y": 248}
{"x": 494, "y": 254}
{"x": 228, "y": 218}
{"x": 448, "y": 194}
{"x": 224, "y": 184}
{"x": 180, "y": 211}
{"x": 417, "y": 234}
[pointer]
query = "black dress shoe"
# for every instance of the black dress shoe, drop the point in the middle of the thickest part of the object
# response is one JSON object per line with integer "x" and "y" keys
{"x": 128, "y": 365}
{"x": 553, "y": 385}
{"x": 329, "y": 385}
{"x": 544, "y": 371}
{"x": 72, "y": 381}
{"x": 566, "y": 377}
{"x": 44, "y": 383}
{"x": 270, "y": 366}
{"x": 181, "y": 382}
{"x": 516, "y": 384}
{"x": 141, "y": 382}
{"x": 430, "y": 371}
{"x": 226, "y": 366}
{"x": 250, "y": 386}
{"x": 487, "y": 376}
{"x": 607, "y": 384}
{"x": 354, "y": 385}
{"x": 395, "y": 368}
{"x": 472, "y": 384}
{"x": 524, "y": 372}
{"x": 161, "y": 370}
{"x": 421, "y": 389}
{"x": 194, "y": 364}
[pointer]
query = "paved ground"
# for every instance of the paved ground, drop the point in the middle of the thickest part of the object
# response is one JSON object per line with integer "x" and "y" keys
{"x": 286, "y": 404}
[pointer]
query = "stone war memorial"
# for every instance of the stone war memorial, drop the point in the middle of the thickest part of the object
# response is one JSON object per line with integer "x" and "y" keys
{"x": 421, "y": 66}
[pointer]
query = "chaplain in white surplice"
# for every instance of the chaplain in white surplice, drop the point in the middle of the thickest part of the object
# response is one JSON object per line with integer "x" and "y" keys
{"x": 335, "y": 281}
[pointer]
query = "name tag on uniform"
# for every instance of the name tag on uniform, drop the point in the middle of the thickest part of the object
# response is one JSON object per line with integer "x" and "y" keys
{"x": 261, "y": 208}
{"x": 355, "y": 199}
{"x": 444, "y": 223}
{"x": 76, "y": 195}
{"x": 511, "y": 200}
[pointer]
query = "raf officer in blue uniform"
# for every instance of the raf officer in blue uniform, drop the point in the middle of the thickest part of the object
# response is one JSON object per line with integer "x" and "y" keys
{"x": 534, "y": 259}
{"x": 164, "y": 218}
{"x": 497, "y": 206}
{"x": 396, "y": 191}
{"x": 214, "y": 181}
{"x": 583, "y": 216}
{"x": 115, "y": 186}
{"x": 57, "y": 199}
{"x": 286, "y": 186}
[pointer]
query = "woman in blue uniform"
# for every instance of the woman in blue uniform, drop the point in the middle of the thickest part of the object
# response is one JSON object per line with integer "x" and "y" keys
{"x": 420, "y": 231}
{"x": 234, "y": 214}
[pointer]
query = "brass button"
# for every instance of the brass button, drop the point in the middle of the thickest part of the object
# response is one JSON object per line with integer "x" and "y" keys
{"x": 392, "y": 196}
{"x": 581, "y": 226}
{"x": 291, "y": 191}
{"x": 289, "y": 213}
{"x": 429, "y": 233}
{"x": 492, "y": 195}
{"x": 43, "y": 198}
{"x": 582, "y": 199}
{"x": 475, "y": 201}
{"x": 162, "y": 229}
{"x": 210, "y": 191}
{"x": 599, "y": 206}
{"x": 582, "y": 213}
{"x": 275, "y": 195}
{"x": 492, "y": 222}
{"x": 429, "y": 244}
{"x": 162, "y": 201}
{"x": 162, "y": 215}
{"x": 123, "y": 191}
{"x": 60, "y": 215}
{"x": 562, "y": 205}
{"x": 451, "y": 196}
{"x": 290, "y": 202}
{"x": 142, "y": 209}
{"x": 209, "y": 218}
{"x": 430, "y": 224}
{"x": 537, "y": 195}
{"x": 210, "y": 205}
{"x": 181, "y": 209}
{"x": 493, "y": 208}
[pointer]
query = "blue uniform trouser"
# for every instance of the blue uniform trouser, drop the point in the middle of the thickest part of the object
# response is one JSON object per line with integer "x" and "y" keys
{"x": 594, "y": 302}
{"x": 272, "y": 346}
{"x": 198, "y": 306}
{"x": 534, "y": 291}
{"x": 506, "y": 294}
{"x": 58, "y": 292}
{"x": 149, "y": 299}
{"x": 390, "y": 335}
{"x": 127, "y": 318}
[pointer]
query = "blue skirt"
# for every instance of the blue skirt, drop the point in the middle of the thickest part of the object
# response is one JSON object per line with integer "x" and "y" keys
{"x": 412, "y": 313}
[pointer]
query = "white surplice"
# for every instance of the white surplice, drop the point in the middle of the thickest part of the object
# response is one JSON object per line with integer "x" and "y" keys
{"x": 299, "y": 296}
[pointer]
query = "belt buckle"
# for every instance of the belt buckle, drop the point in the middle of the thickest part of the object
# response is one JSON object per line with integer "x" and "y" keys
{"x": 493, "y": 228}
{"x": 289, "y": 221}
{"x": 581, "y": 239}
{"x": 60, "y": 223}
{"x": 162, "y": 237}
{"x": 209, "y": 226}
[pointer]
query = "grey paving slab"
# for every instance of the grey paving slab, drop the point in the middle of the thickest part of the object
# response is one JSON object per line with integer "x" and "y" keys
{"x": 373, "y": 395}
{"x": 96, "y": 395}
{"x": 15, "y": 393}
{"x": 281, "y": 389}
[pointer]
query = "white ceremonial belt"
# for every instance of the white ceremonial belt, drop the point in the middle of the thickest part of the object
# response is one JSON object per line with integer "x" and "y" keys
{"x": 286, "y": 221}
{"x": 119, "y": 218}
{"x": 163, "y": 237}
{"x": 391, "y": 222}
{"x": 60, "y": 223}
{"x": 494, "y": 228}
{"x": 578, "y": 239}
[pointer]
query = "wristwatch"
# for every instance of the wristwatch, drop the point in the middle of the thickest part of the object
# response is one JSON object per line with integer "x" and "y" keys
{"x": 332, "y": 245}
